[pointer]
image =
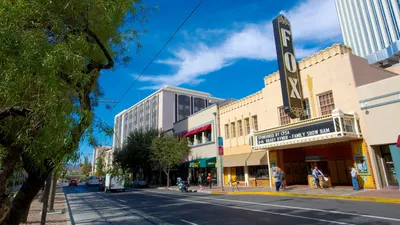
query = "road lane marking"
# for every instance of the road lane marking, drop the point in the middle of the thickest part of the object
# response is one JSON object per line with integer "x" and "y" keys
{"x": 188, "y": 222}
{"x": 121, "y": 200}
{"x": 256, "y": 210}
{"x": 294, "y": 207}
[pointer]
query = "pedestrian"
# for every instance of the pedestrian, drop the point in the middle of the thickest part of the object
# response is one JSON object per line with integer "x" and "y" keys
{"x": 316, "y": 173}
{"x": 277, "y": 180}
{"x": 209, "y": 180}
{"x": 354, "y": 179}
{"x": 189, "y": 179}
{"x": 282, "y": 179}
{"x": 199, "y": 180}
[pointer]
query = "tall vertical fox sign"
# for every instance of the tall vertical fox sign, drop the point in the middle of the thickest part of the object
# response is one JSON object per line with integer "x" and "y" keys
{"x": 288, "y": 69}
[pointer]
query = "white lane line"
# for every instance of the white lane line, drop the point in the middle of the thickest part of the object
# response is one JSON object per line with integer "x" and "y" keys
{"x": 121, "y": 200}
{"x": 256, "y": 210}
{"x": 296, "y": 207}
{"x": 189, "y": 222}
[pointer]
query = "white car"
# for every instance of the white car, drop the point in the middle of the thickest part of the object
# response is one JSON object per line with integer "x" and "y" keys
{"x": 114, "y": 183}
{"x": 92, "y": 181}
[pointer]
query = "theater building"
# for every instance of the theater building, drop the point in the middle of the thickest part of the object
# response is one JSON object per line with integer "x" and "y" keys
{"x": 259, "y": 136}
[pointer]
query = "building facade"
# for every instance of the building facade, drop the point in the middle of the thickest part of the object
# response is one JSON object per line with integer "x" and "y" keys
{"x": 101, "y": 151}
{"x": 160, "y": 110}
{"x": 372, "y": 29}
{"x": 201, "y": 131}
{"x": 380, "y": 106}
{"x": 259, "y": 136}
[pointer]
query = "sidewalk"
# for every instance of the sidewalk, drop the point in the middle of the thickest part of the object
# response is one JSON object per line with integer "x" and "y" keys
{"x": 35, "y": 211}
{"x": 344, "y": 193}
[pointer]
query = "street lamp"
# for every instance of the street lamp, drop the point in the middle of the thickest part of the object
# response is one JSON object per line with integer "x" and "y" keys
{"x": 217, "y": 149}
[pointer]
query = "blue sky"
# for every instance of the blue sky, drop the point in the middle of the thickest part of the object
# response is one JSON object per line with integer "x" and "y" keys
{"x": 226, "y": 48}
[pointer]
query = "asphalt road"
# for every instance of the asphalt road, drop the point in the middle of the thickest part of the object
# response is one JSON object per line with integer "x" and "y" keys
{"x": 151, "y": 206}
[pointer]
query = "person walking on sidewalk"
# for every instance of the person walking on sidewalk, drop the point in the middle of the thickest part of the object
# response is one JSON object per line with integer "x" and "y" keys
{"x": 354, "y": 176}
{"x": 277, "y": 180}
{"x": 199, "y": 180}
{"x": 282, "y": 179}
{"x": 209, "y": 179}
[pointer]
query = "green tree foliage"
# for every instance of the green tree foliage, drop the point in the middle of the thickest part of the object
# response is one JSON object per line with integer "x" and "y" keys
{"x": 52, "y": 54}
{"x": 86, "y": 166}
{"x": 135, "y": 153}
{"x": 100, "y": 165}
{"x": 168, "y": 151}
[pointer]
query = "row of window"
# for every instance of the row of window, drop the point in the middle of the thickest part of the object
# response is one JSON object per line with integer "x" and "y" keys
{"x": 326, "y": 104}
{"x": 199, "y": 138}
{"x": 231, "y": 133}
{"x": 189, "y": 105}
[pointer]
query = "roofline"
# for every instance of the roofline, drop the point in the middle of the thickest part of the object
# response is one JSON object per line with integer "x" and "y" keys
{"x": 173, "y": 89}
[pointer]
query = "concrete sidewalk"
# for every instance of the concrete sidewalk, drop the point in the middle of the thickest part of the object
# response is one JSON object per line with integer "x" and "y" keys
{"x": 344, "y": 193}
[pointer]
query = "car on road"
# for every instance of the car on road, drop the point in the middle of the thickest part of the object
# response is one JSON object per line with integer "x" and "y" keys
{"x": 102, "y": 183}
{"x": 72, "y": 183}
{"x": 139, "y": 182}
{"x": 92, "y": 181}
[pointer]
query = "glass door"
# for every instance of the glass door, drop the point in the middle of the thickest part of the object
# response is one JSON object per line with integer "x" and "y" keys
{"x": 389, "y": 166}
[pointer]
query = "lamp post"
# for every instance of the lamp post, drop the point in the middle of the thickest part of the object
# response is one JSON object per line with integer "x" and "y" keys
{"x": 217, "y": 149}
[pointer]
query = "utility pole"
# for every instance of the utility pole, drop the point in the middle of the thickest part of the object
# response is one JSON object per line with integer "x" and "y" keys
{"x": 219, "y": 156}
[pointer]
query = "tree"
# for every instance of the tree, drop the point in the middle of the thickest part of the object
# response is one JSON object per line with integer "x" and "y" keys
{"x": 86, "y": 166}
{"x": 168, "y": 152}
{"x": 135, "y": 153}
{"x": 52, "y": 55}
{"x": 100, "y": 165}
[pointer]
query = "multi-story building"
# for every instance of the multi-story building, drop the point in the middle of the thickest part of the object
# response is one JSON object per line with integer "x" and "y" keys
{"x": 160, "y": 110}
{"x": 102, "y": 151}
{"x": 201, "y": 130}
{"x": 259, "y": 136}
{"x": 372, "y": 29}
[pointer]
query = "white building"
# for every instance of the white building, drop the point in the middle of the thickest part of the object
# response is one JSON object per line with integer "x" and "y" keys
{"x": 160, "y": 110}
{"x": 371, "y": 29}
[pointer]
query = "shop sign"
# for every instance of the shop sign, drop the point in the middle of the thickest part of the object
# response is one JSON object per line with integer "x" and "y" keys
{"x": 210, "y": 164}
{"x": 288, "y": 68}
{"x": 194, "y": 165}
{"x": 296, "y": 133}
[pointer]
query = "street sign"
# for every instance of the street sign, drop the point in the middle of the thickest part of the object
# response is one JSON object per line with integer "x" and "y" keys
{"x": 288, "y": 68}
{"x": 220, "y": 141}
{"x": 220, "y": 150}
{"x": 398, "y": 141}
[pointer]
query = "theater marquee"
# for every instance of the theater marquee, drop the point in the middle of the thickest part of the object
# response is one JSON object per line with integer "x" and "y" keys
{"x": 288, "y": 69}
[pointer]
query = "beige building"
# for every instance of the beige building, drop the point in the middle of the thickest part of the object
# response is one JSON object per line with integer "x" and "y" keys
{"x": 102, "y": 151}
{"x": 380, "y": 105}
{"x": 259, "y": 136}
{"x": 200, "y": 130}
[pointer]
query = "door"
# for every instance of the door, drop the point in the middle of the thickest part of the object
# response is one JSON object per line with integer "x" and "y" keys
{"x": 226, "y": 172}
{"x": 389, "y": 166}
{"x": 233, "y": 174}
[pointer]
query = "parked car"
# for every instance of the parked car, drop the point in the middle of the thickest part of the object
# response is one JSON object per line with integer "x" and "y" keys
{"x": 92, "y": 181}
{"x": 72, "y": 183}
{"x": 140, "y": 183}
{"x": 102, "y": 183}
{"x": 114, "y": 183}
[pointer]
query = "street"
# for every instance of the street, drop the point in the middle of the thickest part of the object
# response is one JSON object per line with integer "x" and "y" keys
{"x": 152, "y": 206}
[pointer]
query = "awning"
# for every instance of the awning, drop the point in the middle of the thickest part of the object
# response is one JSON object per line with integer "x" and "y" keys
{"x": 234, "y": 160}
{"x": 257, "y": 158}
{"x": 198, "y": 130}
{"x": 202, "y": 163}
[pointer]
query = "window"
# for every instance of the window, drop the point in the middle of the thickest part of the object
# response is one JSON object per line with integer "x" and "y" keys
{"x": 199, "y": 104}
{"x": 199, "y": 138}
{"x": 283, "y": 117}
{"x": 154, "y": 112}
{"x": 208, "y": 135}
{"x": 191, "y": 140}
{"x": 240, "y": 128}
{"x": 239, "y": 173}
{"x": 255, "y": 123}
{"x": 226, "y": 131}
{"x": 258, "y": 171}
{"x": 326, "y": 103}
{"x": 307, "y": 112}
{"x": 233, "y": 130}
{"x": 247, "y": 124}
{"x": 183, "y": 107}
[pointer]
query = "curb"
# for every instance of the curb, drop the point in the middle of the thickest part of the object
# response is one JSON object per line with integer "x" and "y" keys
{"x": 354, "y": 198}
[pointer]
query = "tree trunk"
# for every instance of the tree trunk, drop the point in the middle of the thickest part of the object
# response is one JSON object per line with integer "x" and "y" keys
{"x": 22, "y": 201}
{"x": 167, "y": 173}
{"x": 10, "y": 159}
{"x": 46, "y": 200}
{"x": 53, "y": 191}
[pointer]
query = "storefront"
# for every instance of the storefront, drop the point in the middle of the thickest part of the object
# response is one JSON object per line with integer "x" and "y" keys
{"x": 202, "y": 167}
{"x": 331, "y": 142}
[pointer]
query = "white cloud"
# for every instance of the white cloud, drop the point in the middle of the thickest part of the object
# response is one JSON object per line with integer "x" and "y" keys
{"x": 312, "y": 21}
